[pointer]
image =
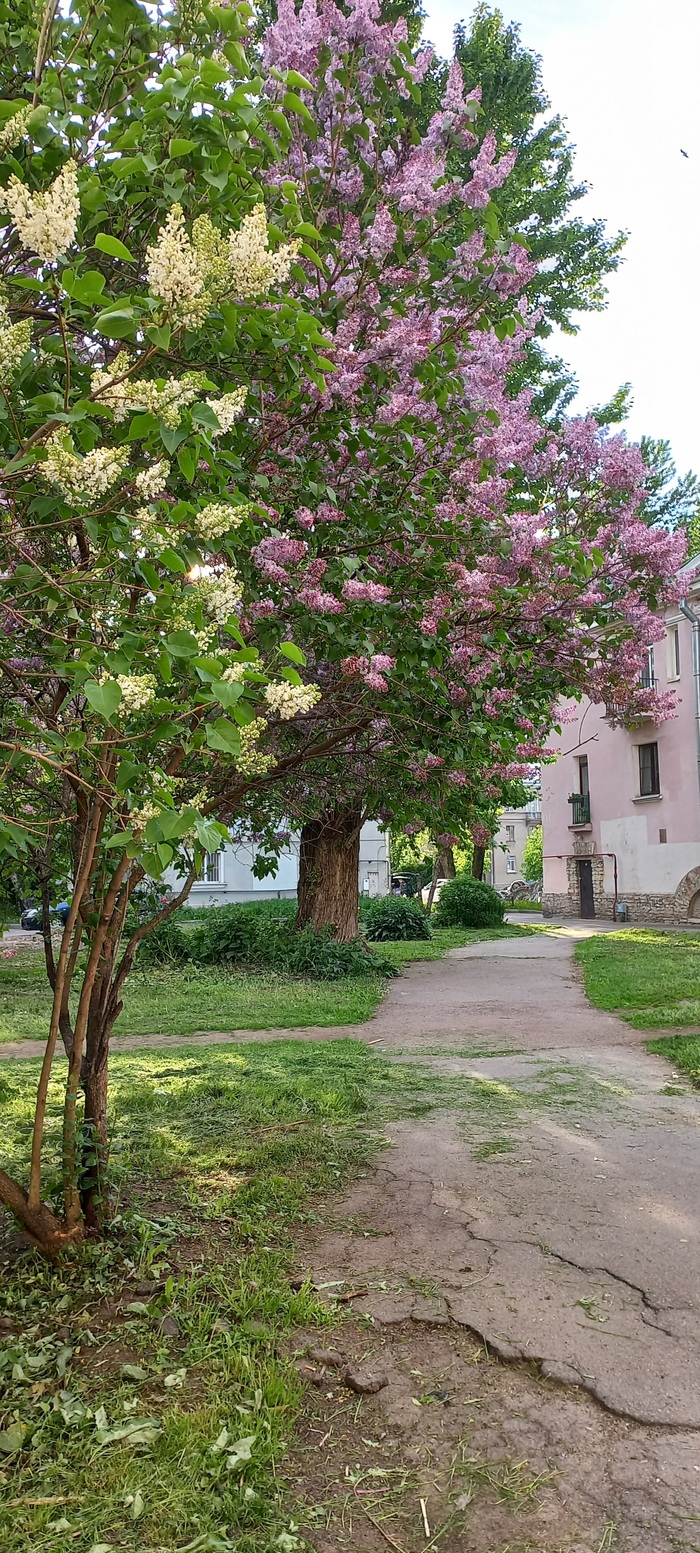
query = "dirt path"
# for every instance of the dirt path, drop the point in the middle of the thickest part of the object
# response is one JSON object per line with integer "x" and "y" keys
{"x": 551, "y": 1209}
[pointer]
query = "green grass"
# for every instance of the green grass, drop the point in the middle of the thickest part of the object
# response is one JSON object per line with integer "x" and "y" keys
{"x": 180, "y": 1000}
{"x": 444, "y": 938}
{"x": 653, "y": 981}
{"x": 650, "y": 978}
{"x": 682, "y": 1050}
{"x": 218, "y": 1158}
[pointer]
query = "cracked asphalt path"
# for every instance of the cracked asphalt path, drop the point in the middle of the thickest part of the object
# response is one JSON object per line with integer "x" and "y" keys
{"x": 556, "y": 1211}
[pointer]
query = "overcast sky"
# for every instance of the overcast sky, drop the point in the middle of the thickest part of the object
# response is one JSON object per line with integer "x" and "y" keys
{"x": 624, "y": 73}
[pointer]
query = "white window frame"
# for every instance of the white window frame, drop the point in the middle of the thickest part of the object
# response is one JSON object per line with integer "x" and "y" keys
{"x": 511, "y": 865}
{"x": 212, "y": 874}
{"x": 673, "y": 654}
{"x": 510, "y": 833}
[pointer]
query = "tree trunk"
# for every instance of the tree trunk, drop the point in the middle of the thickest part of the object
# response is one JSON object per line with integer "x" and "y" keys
{"x": 47, "y": 1232}
{"x": 329, "y": 864}
{"x": 478, "y": 862}
{"x": 446, "y": 863}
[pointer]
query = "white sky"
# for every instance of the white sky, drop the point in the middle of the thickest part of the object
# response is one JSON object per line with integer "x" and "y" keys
{"x": 624, "y": 74}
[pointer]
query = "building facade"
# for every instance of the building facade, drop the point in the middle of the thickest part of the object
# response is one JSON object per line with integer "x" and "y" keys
{"x": 228, "y": 874}
{"x": 621, "y": 806}
{"x": 509, "y": 843}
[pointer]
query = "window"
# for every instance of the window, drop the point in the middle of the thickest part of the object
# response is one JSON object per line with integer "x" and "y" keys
{"x": 648, "y": 770}
{"x": 673, "y": 653}
{"x": 212, "y": 872}
{"x": 510, "y": 865}
{"x": 583, "y": 775}
{"x": 510, "y": 833}
{"x": 647, "y": 679}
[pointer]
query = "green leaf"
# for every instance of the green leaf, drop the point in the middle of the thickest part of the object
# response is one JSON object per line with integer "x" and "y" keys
{"x": 227, "y": 694}
{"x": 223, "y": 735}
{"x": 87, "y": 288}
{"x": 12, "y": 1439}
{"x": 182, "y": 644}
{"x": 133, "y": 1372}
{"x": 179, "y": 147}
{"x": 104, "y": 696}
{"x": 212, "y": 73}
{"x": 295, "y": 79}
{"x": 159, "y": 334}
{"x": 185, "y": 460}
{"x": 172, "y": 436}
{"x": 117, "y": 323}
{"x": 292, "y": 652}
{"x": 76, "y": 739}
{"x": 120, "y": 839}
{"x": 111, "y": 245}
{"x": 128, "y": 770}
{"x": 294, "y": 104}
{"x": 172, "y": 560}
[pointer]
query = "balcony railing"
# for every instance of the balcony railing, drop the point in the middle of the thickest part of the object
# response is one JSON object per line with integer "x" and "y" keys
{"x": 580, "y": 809}
{"x": 647, "y": 679}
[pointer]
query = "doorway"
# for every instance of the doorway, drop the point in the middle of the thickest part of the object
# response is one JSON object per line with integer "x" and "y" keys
{"x": 585, "y": 886}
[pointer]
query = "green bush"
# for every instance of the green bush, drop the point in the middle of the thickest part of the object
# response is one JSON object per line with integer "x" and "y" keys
{"x": 165, "y": 945}
{"x": 467, "y": 902}
{"x": 389, "y": 918}
{"x": 248, "y": 935}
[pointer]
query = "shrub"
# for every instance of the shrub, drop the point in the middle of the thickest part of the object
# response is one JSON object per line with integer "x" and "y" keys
{"x": 248, "y": 935}
{"x": 393, "y": 917}
{"x": 467, "y": 902}
{"x": 166, "y": 945}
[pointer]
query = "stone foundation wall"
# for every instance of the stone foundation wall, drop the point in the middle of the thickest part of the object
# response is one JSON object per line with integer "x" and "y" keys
{"x": 641, "y": 908}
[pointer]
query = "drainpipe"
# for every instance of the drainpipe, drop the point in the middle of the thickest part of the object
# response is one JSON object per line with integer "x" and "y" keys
{"x": 690, "y": 614}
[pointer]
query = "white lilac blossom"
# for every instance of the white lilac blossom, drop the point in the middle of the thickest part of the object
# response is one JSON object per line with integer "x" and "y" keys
{"x": 15, "y": 340}
{"x": 291, "y": 700}
{"x": 164, "y": 397}
{"x": 254, "y": 269}
{"x": 234, "y": 674}
{"x": 251, "y": 761}
{"x": 150, "y": 482}
{"x": 47, "y": 221}
{"x": 15, "y": 129}
{"x": 137, "y": 691}
{"x": 227, "y": 409}
{"x": 218, "y": 518}
{"x": 89, "y": 477}
{"x": 175, "y": 273}
{"x": 220, "y": 596}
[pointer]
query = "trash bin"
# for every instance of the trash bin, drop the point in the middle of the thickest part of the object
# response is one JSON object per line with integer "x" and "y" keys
{"x": 622, "y": 912}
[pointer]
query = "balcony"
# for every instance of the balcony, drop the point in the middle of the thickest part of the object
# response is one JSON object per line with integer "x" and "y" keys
{"x": 620, "y": 714}
{"x": 580, "y": 811}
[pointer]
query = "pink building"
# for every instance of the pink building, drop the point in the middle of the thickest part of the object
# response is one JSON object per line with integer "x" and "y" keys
{"x": 621, "y": 806}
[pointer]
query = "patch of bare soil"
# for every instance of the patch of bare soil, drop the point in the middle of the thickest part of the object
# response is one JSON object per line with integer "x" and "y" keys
{"x": 464, "y": 1454}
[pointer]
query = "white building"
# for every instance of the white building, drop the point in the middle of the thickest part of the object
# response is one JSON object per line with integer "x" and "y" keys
{"x": 228, "y": 875}
{"x": 514, "y": 828}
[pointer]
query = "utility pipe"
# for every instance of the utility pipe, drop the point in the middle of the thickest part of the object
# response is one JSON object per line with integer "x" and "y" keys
{"x": 549, "y": 856}
{"x": 691, "y": 615}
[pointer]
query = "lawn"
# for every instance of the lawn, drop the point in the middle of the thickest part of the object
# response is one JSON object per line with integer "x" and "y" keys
{"x": 181, "y": 1000}
{"x": 146, "y": 1396}
{"x": 652, "y": 980}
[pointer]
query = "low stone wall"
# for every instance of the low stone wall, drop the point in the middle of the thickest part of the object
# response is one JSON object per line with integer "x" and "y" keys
{"x": 641, "y": 908}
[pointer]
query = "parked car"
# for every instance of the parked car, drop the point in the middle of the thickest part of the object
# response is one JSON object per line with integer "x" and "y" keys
{"x": 436, "y": 894}
{"x": 30, "y": 919}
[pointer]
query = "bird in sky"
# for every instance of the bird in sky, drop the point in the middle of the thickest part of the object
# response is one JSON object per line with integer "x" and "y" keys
{"x": 685, "y": 154}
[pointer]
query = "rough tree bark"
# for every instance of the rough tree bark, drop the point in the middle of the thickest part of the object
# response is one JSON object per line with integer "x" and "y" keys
{"x": 478, "y": 861}
{"x": 329, "y": 862}
{"x": 444, "y": 867}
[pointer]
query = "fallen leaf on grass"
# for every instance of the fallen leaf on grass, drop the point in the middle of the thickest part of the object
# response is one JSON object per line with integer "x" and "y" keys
{"x": 242, "y": 1450}
{"x": 135, "y": 1431}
